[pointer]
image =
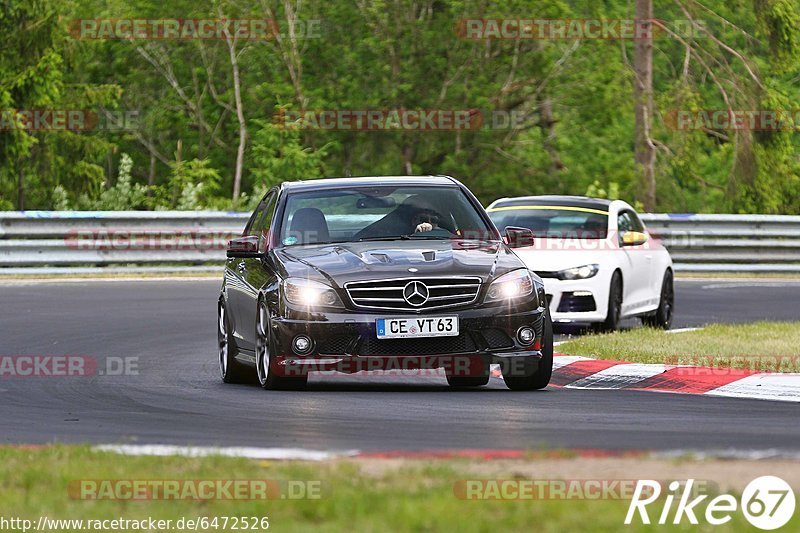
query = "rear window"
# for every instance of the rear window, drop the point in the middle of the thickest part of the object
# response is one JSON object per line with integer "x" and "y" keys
{"x": 553, "y": 221}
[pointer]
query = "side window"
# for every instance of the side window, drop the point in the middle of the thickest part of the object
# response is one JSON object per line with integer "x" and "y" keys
{"x": 261, "y": 226}
{"x": 257, "y": 222}
{"x": 257, "y": 214}
{"x": 636, "y": 222}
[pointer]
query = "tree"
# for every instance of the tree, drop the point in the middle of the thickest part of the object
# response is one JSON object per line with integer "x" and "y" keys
{"x": 645, "y": 150}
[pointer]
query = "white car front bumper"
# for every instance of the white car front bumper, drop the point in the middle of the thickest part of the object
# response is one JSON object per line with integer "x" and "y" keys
{"x": 582, "y": 300}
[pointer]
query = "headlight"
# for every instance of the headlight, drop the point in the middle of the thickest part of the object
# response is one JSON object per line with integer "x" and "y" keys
{"x": 581, "y": 272}
{"x": 310, "y": 293}
{"x": 515, "y": 284}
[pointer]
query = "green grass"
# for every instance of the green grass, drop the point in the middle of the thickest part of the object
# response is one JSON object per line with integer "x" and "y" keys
{"x": 765, "y": 346}
{"x": 412, "y": 496}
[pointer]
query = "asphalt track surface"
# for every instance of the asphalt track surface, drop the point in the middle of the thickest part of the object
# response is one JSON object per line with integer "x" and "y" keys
{"x": 177, "y": 397}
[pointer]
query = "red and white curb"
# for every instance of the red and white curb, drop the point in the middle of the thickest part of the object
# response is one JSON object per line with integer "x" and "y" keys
{"x": 577, "y": 372}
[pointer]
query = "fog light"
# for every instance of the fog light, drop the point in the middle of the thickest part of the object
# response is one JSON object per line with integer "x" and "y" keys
{"x": 526, "y": 335}
{"x": 302, "y": 344}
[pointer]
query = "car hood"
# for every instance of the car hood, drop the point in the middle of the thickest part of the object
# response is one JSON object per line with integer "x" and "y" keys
{"x": 550, "y": 255}
{"x": 344, "y": 262}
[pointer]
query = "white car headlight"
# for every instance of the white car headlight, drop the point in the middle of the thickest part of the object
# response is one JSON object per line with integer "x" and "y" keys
{"x": 581, "y": 272}
{"x": 310, "y": 293}
{"x": 515, "y": 284}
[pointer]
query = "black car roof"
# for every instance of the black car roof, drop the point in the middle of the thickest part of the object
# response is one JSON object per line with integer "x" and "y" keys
{"x": 556, "y": 200}
{"x": 365, "y": 181}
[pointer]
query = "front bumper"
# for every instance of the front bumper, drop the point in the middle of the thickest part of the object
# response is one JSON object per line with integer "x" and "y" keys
{"x": 581, "y": 300}
{"x": 347, "y": 341}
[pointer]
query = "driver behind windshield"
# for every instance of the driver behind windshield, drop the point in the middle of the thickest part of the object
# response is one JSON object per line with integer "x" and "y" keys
{"x": 414, "y": 215}
{"x": 424, "y": 216}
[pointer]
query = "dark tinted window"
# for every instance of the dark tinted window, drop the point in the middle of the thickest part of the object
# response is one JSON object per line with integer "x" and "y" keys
{"x": 381, "y": 212}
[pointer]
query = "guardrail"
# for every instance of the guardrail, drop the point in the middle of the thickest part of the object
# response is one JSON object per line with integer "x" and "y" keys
{"x": 729, "y": 243}
{"x": 179, "y": 240}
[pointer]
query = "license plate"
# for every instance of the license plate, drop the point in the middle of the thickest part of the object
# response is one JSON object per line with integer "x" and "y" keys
{"x": 403, "y": 328}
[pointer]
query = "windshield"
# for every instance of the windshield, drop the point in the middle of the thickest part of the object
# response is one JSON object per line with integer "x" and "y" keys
{"x": 381, "y": 213}
{"x": 558, "y": 222}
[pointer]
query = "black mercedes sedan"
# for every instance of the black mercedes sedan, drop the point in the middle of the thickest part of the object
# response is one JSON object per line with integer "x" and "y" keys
{"x": 365, "y": 274}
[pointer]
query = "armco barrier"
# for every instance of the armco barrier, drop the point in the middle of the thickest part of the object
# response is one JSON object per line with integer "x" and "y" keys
{"x": 181, "y": 239}
{"x": 729, "y": 243}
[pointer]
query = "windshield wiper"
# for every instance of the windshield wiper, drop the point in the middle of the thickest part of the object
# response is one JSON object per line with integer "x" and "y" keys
{"x": 390, "y": 238}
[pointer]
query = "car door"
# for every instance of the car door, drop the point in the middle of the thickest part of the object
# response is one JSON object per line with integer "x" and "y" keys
{"x": 638, "y": 258}
{"x": 653, "y": 286}
{"x": 236, "y": 284}
{"x": 256, "y": 272}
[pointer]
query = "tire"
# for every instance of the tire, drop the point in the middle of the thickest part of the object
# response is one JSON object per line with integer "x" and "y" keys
{"x": 265, "y": 366}
{"x": 539, "y": 378}
{"x": 614, "y": 313}
{"x": 662, "y": 318}
{"x": 231, "y": 370}
{"x": 470, "y": 381}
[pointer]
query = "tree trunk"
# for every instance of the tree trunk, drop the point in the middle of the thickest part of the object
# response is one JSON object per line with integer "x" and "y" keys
{"x": 407, "y": 160}
{"x": 547, "y": 124}
{"x": 151, "y": 176}
{"x": 21, "y": 190}
{"x": 237, "y": 95}
{"x": 645, "y": 151}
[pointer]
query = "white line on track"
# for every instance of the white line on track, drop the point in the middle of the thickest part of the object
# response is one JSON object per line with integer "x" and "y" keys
{"x": 39, "y": 281}
{"x": 759, "y": 284}
{"x": 682, "y": 330}
{"x": 278, "y": 454}
{"x": 729, "y": 453}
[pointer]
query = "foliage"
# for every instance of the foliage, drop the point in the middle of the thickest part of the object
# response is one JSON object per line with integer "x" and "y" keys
{"x": 570, "y": 100}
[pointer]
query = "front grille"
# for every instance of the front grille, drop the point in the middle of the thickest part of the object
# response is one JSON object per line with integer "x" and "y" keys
{"x": 463, "y": 343}
{"x": 496, "y": 338}
{"x": 576, "y": 304}
{"x": 547, "y": 274}
{"x": 388, "y": 294}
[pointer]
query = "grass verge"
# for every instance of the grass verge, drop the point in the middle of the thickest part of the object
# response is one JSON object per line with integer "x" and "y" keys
{"x": 763, "y": 346}
{"x": 355, "y": 495}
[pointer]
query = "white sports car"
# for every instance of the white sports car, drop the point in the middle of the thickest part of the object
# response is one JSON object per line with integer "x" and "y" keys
{"x": 598, "y": 263}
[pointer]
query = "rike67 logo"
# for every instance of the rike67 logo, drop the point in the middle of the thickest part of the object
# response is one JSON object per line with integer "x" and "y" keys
{"x": 767, "y": 502}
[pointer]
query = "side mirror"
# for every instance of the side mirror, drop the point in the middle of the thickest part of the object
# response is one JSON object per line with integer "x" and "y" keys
{"x": 243, "y": 246}
{"x": 634, "y": 238}
{"x": 519, "y": 237}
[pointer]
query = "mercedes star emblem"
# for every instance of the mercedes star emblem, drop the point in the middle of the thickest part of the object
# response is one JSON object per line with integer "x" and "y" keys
{"x": 415, "y": 293}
